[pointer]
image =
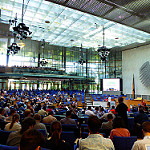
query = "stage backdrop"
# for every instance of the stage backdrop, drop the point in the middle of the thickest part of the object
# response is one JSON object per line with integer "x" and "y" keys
{"x": 132, "y": 60}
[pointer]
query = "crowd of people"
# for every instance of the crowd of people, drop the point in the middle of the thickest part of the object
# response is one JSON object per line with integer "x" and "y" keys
{"x": 25, "y": 112}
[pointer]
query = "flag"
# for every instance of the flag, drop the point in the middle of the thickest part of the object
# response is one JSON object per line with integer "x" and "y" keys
{"x": 133, "y": 88}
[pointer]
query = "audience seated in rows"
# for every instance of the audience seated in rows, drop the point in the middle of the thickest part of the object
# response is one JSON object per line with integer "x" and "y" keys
{"x": 31, "y": 102}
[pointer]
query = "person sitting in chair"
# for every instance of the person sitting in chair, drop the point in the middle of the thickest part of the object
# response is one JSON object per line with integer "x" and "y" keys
{"x": 32, "y": 139}
{"x": 95, "y": 141}
{"x": 143, "y": 144}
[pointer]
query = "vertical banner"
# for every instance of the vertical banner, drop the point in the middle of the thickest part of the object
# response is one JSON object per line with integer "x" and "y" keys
{"x": 133, "y": 88}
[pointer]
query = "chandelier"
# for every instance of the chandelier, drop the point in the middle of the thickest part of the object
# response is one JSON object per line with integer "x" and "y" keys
{"x": 103, "y": 51}
{"x": 13, "y": 49}
{"x": 21, "y": 31}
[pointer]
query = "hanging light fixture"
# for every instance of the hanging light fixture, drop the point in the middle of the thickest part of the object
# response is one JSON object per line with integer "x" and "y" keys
{"x": 43, "y": 62}
{"x": 13, "y": 48}
{"x": 21, "y": 31}
{"x": 81, "y": 61}
{"x": 103, "y": 51}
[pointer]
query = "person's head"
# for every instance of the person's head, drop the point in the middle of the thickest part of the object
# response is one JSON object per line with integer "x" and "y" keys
{"x": 68, "y": 114}
{"x": 109, "y": 117}
{"x": 141, "y": 110}
{"x": 118, "y": 122}
{"x": 101, "y": 109}
{"x": 113, "y": 107}
{"x": 146, "y": 128}
{"x": 89, "y": 107}
{"x": 27, "y": 113}
{"x": 120, "y": 99}
{"x": 94, "y": 124}
{"x": 56, "y": 131}
{"x": 28, "y": 123}
{"x": 97, "y": 108}
{"x": 37, "y": 117}
{"x": 32, "y": 139}
{"x": 12, "y": 112}
{"x": 15, "y": 118}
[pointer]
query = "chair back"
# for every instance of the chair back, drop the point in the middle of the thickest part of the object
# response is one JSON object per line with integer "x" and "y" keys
{"x": 43, "y": 132}
{"x": 68, "y": 127}
{"x": 84, "y": 135}
{"x": 124, "y": 143}
{"x": 69, "y": 137}
{"x": 5, "y": 147}
{"x": 4, "y": 136}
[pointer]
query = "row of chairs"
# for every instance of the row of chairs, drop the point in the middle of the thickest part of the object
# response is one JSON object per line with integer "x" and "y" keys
{"x": 5, "y": 147}
{"x": 68, "y": 136}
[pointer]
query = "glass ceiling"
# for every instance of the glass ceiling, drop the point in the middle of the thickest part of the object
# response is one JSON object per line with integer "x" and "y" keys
{"x": 68, "y": 27}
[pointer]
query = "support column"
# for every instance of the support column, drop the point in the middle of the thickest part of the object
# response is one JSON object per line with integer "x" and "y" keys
{"x": 7, "y": 84}
{"x": 53, "y": 85}
{"x": 46, "y": 86}
{"x": 7, "y": 55}
{"x": 10, "y": 85}
{"x": 14, "y": 85}
{"x": 38, "y": 85}
{"x": 65, "y": 59}
{"x": 61, "y": 85}
{"x": 39, "y": 56}
{"x": 57, "y": 86}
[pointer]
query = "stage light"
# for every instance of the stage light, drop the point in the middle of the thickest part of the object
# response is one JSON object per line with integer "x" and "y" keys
{"x": 13, "y": 49}
{"x": 81, "y": 61}
{"x": 21, "y": 31}
{"x": 43, "y": 62}
{"x": 103, "y": 51}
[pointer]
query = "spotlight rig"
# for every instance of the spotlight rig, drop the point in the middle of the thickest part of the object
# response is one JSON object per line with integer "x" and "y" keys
{"x": 13, "y": 49}
{"x": 81, "y": 61}
{"x": 43, "y": 62}
{"x": 103, "y": 52}
{"x": 21, "y": 31}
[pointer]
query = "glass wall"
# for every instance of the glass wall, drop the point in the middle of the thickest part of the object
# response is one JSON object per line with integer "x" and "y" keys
{"x": 65, "y": 58}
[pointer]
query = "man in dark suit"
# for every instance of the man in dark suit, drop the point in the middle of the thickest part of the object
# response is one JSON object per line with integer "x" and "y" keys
{"x": 121, "y": 110}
